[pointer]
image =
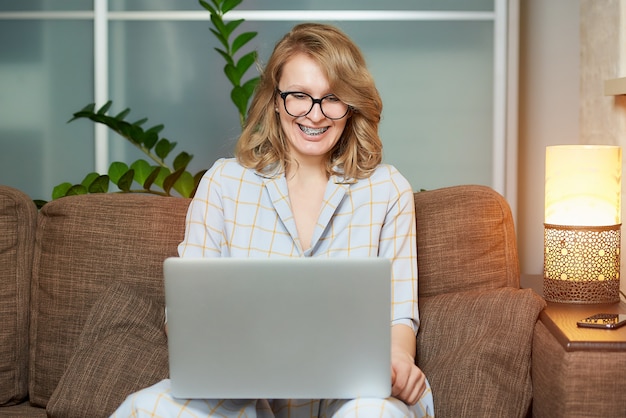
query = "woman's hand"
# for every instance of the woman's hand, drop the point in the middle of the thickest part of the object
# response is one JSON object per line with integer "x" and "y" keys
{"x": 408, "y": 382}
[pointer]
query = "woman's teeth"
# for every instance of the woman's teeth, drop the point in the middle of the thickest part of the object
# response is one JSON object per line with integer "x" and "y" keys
{"x": 312, "y": 131}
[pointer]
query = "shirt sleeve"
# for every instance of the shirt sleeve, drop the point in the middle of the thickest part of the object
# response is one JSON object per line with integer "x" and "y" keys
{"x": 205, "y": 217}
{"x": 398, "y": 243}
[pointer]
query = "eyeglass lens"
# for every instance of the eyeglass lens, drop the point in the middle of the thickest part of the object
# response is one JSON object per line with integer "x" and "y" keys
{"x": 300, "y": 104}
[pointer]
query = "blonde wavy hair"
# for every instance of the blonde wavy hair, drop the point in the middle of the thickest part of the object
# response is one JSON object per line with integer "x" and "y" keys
{"x": 262, "y": 145}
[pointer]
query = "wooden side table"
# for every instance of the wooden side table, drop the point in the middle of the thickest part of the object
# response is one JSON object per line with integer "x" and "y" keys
{"x": 577, "y": 372}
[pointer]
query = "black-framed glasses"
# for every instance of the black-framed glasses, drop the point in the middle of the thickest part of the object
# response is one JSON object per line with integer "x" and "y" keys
{"x": 299, "y": 104}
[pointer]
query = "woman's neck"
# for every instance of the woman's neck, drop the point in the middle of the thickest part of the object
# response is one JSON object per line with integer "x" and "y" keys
{"x": 306, "y": 172}
{"x": 306, "y": 185}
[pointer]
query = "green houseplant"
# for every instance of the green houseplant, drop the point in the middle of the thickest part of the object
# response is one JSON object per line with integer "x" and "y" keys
{"x": 154, "y": 174}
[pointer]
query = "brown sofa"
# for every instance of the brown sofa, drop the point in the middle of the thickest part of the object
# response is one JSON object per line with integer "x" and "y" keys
{"x": 81, "y": 302}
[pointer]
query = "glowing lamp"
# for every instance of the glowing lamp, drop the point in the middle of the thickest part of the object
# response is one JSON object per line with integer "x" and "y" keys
{"x": 582, "y": 223}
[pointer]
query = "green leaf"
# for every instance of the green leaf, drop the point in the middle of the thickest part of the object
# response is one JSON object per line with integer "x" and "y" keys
{"x": 196, "y": 181}
{"x": 122, "y": 114}
{"x": 89, "y": 178}
{"x": 229, "y": 5}
{"x": 151, "y": 177}
{"x": 220, "y": 29}
{"x": 246, "y": 62}
{"x": 151, "y": 136}
{"x": 226, "y": 57}
{"x": 218, "y": 23}
{"x": 182, "y": 160}
{"x": 140, "y": 122}
{"x": 99, "y": 185}
{"x": 232, "y": 74}
{"x": 125, "y": 182}
{"x": 124, "y": 129}
{"x": 207, "y": 6}
{"x": 156, "y": 128}
{"x": 104, "y": 109}
{"x": 240, "y": 99}
{"x": 169, "y": 181}
{"x": 90, "y": 108}
{"x": 149, "y": 139}
{"x": 117, "y": 170}
{"x": 142, "y": 170}
{"x": 85, "y": 112}
{"x": 79, "y": 115}
{"x": 198, "y": 176}
{"x": 184, "y": 185}
{"x": 99, "y": 118}
{"x": 163, "y": 173}
{"x": 163, "y": 148}
{"x": 232, "y": 25}
{"x": 220, "y": 37}
{"x": 60, "y": 190}
{"x": 76, "y": 190}
{"x": 241, "y": 40}
{"x": 250, "y": 85}
{"x": 135, "y": 134}
{"x": 112, "y": 123}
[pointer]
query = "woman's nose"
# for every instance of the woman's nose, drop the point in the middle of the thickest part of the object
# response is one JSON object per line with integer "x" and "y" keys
{"x": 316, "y": 113}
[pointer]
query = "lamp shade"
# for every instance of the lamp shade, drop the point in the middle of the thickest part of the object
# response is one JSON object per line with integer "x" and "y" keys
{"x": 582, "y": 229}
{"x": 583, "y": 185}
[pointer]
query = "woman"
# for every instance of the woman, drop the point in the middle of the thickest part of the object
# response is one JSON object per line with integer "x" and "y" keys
{"x": 308, "y": 181}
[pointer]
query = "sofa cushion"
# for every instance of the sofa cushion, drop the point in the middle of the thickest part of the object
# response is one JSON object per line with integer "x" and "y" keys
{"x": 83, "y": 244}
{"x": 122, "y": 348}
{"x": 464, "y": 232}
{"x": 23, "y": 410}
{"x": 18, "y": 214}
{"x": 475, "y": 349}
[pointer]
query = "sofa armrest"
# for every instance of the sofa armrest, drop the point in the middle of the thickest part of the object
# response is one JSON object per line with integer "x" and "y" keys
{"x": 475, "y": 349}
{"x": 18, "y": 216}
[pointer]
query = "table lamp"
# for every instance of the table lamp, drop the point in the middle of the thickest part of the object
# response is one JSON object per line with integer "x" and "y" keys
{"x": 582, "y": 224}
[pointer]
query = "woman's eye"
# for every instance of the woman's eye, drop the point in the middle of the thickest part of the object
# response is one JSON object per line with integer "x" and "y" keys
{"x": 299, "y": 95}
{"x": 332, "y": 98}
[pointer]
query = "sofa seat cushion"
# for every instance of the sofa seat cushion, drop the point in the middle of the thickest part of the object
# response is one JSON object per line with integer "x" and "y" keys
{"x": 17, "y": 237}
{"x": 475, "y": 349}
{"x": 122, "y": 348}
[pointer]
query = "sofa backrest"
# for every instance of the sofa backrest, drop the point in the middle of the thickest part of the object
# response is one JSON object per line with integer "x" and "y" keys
{"x": 17, "y": 232}
{"x": 465, "y": 240}
{"x": 83, "y": 244}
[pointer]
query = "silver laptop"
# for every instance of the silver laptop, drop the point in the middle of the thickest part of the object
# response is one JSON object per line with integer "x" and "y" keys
{"x": 294, "y": 328}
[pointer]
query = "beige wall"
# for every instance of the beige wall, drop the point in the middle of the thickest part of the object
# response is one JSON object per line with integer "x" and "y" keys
{"x": 601, "y": 117}
{"x": 567, "y": 49}
{"x": 602, "y": 57}
{"x": 548, "y": 109}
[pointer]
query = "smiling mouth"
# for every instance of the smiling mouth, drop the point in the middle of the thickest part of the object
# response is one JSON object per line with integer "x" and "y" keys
{"x": 312, "y": 131}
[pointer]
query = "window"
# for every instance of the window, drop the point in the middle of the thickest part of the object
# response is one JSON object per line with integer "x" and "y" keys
{"x": 440, "y": 67}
